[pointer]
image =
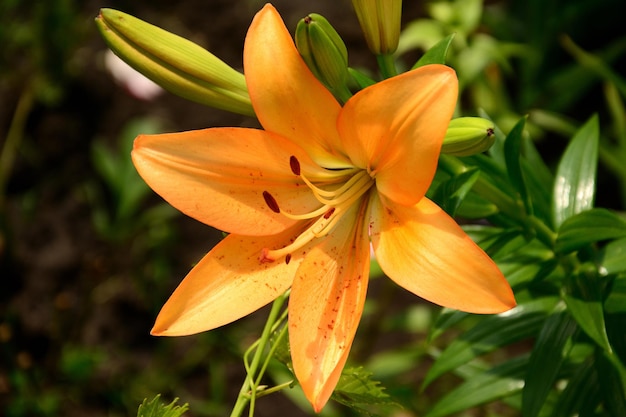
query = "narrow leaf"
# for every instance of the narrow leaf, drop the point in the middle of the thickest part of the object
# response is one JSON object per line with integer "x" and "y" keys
{"x": 585, "y": 305}
{"x": 545, "y": 362}
{"x": 451, "y": 193}
{"x": 616, "y": 301}
{"x": 513, "y": 158}
{"x": 501, "y": 381}
{"x": 436, "y": 54}
{"x": 491, "y": 333}
{"x": 575, "y": 182}
{"x": 613, "y": 257}
{"x": 611, "y": 386}
{"x": 581, "y": 389}
{"x": 588, "y": 227}
{"x": 538, "y": 179}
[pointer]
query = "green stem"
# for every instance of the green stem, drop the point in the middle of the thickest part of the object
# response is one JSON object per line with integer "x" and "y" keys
{"x": 248, "y": 385}
{"x": 343, "y": 93}
{"x": 386, "y": 65}
{"x": 275, "y": 389}
{"x": 543, "y": 233}
{"x": 268, "y": 358}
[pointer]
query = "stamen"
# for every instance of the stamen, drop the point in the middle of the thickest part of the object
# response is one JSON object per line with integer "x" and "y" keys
{"x": 294, "y": 164}
{"x": 350, "y": 185}
{"x": 309, "y": 215}
{"x": 271, "y": 202}
{"x": 321, "y": 194}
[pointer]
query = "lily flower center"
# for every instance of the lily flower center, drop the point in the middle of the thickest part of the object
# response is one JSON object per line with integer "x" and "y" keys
{"x": 336, "y": 196}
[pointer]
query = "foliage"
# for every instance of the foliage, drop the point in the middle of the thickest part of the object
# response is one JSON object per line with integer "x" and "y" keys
{"x": 546, "y": 203}
{"x": 156, "y": 408}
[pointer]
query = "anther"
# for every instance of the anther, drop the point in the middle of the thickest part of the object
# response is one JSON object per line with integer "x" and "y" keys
{"x": 271, "y": 202}
{"x": 294, "y": 164}
{"x": 287, "y": 258}
{"x": 329, "y": 213}
{"x": 265, "y": 257}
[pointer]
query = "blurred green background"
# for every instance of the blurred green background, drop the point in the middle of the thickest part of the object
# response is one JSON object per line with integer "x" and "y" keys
{"x": 88, "y": 254}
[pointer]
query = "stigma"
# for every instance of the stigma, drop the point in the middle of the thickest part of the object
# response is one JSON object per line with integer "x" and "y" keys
{"x": 336, "y": 195}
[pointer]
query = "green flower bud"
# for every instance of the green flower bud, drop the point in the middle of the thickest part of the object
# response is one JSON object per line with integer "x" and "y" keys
{"x": 468, "y": 136}
{"x": 324, "y": 52}
{"x": 175, "y": 63}
{"x": 380, "y": 22}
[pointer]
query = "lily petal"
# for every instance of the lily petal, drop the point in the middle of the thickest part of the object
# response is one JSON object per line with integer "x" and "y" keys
{"x": 286, "y": 96}
{"x": 227, "y": 284}
{"x": 218, "y": 176}
{"x": 325, "y": 306}
{"x": 423, "y": 250}
{"x": 395, "y": 129}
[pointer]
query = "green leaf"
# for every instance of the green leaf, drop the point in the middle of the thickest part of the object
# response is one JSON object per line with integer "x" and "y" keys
{"x": 545, "y": 361}
{"x": 580, "y": 392}
{"x": 611, "y": 386}
{"x": 613, "y": 257}
{"x": 360, "y": 79}
{"x": 585, "y": 305}
{"x": 356, "y": 389}
{"x": 491, "y": 333}
{"x": 451, "y": 193}
{"x": 588, "y": 227}
{"x": 501, "y": 381}
{"x": 616, "y": 301}
{"x": 575, "y": 182}
{"x": 539, "y": 180}
{"x": 436, "y": 54}
{"x": 513, "y": 157}
{"x": 156, "y": 408}
{"x": 476, "y": 207}
{"x": 491, "y": 171}
{"x": 447, "y": 318}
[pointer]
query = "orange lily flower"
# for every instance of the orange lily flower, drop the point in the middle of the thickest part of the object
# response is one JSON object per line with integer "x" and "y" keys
{"x": 303, "y": 199}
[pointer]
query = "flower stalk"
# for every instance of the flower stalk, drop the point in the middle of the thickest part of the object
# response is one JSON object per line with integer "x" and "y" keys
{"x": 247, "y": 393}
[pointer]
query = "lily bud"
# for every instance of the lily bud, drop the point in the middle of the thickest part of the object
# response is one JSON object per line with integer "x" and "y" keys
{"x": 380, "y": 22}
{"x": 468, "y": 136}
{"x": 324, "y": 52}
{"x": 175, "y": 63}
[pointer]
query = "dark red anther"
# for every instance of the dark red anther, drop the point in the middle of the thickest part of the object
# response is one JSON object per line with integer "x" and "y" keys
{"x": 287, "y": 258}
{"x": 294, "y": 164}
{"x": 329, "y": 213}
{"x": 271, "y": 202}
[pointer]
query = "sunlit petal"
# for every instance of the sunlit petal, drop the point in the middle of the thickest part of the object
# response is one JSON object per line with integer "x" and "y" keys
{"x": 423, "y": 250}
{"x": 395, "y": 129}
{"x": 227, "y": 284}
{"x": 218, "y": 176}
{"x": 286, "y": 96}
{"x": 325, "y": 307}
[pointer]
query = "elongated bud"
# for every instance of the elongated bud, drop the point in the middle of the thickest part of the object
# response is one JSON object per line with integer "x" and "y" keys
{"x": 324, "y": 52}
{"x": 175, "y": 63}
{"x": 380, "y": 22}
{"x": 468, "y": 136}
